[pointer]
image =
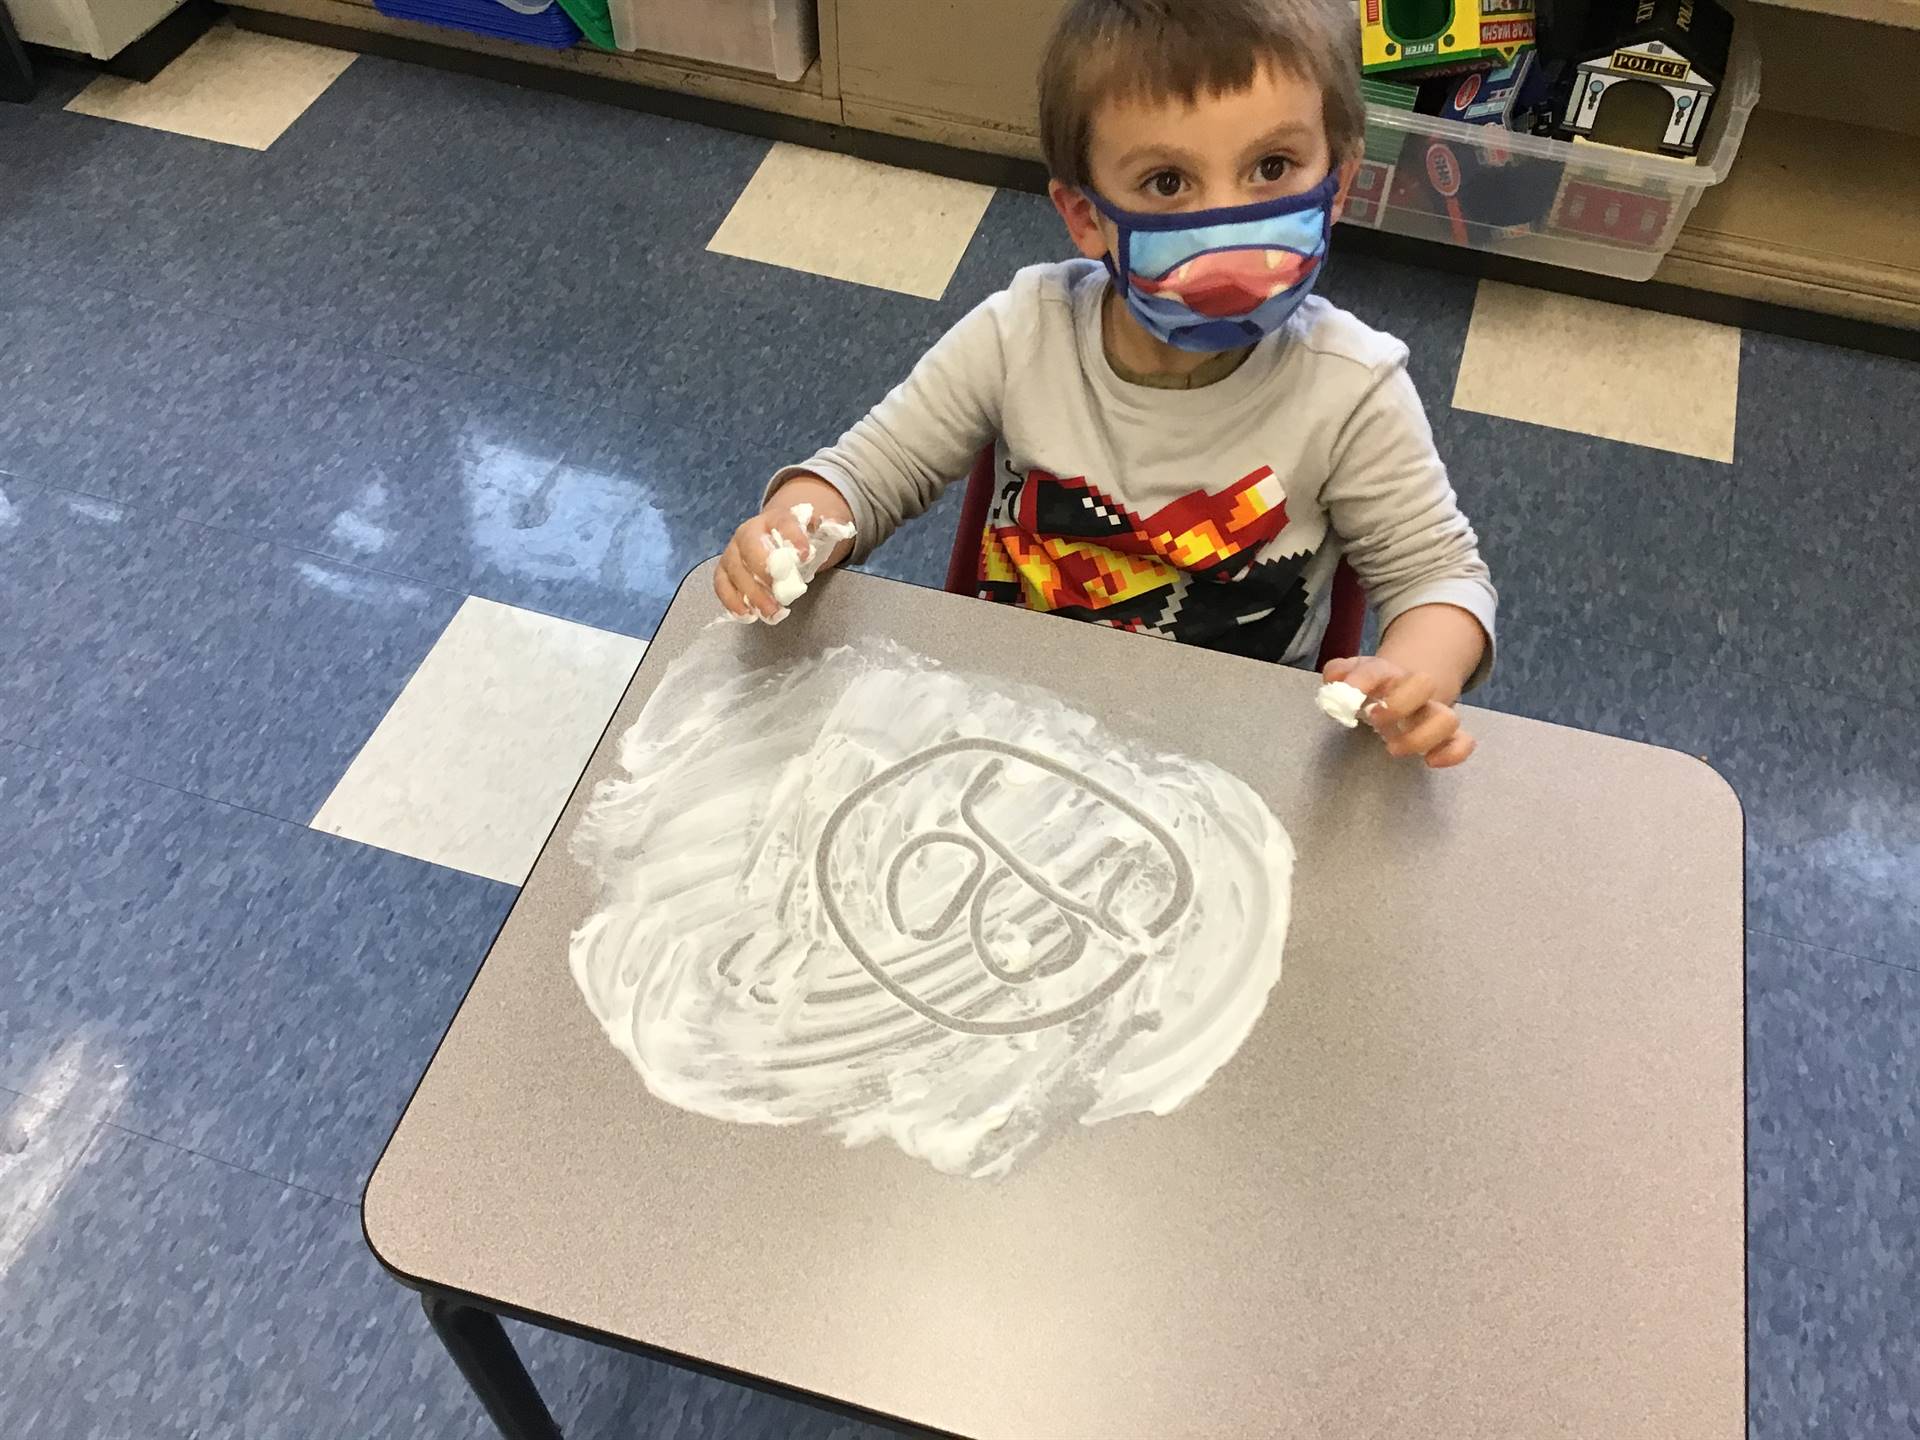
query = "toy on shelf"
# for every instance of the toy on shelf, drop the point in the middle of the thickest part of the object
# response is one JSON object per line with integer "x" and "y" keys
{"x": 1647, "y": 74}
{"x": 1436, "y": 36}
{"x": 1478, "y": 192}
{"x": 1613, "y": 213}
{"x": 1485, "y": 97}
{"x": 1367, "y": 196}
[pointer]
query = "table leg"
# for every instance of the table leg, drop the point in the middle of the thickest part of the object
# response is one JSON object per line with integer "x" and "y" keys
{"x": 16, "y": 74}
{"x": 479, "y": 1345}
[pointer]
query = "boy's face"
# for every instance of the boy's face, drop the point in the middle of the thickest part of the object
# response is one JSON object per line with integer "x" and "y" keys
{"x": 1167, "y": 156}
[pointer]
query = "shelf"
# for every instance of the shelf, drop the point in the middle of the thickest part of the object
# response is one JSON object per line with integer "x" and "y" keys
{"x": 1904, "y": 13}
{"x": 805, "y": 99}
{"x": 1788, "y": 224}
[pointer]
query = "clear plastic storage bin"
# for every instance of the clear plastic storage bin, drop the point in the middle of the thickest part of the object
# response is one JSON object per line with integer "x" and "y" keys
{"x": 1616, "y": 212}
{"x": 775, "y": 37}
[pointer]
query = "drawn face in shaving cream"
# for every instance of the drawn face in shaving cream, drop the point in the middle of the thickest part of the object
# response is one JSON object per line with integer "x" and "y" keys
{"x": 1021, "y": 927}
{"x": 864, "y": 893}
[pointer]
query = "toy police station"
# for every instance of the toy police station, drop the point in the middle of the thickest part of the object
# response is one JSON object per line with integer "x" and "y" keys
{"x": 1681, "y": 46}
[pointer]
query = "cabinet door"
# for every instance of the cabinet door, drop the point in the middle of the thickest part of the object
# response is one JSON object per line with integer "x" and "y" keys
{"x": 970, "y": 60}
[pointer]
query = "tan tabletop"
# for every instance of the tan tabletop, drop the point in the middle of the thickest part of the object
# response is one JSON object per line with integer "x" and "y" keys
{"x": 1478, "y": 1172}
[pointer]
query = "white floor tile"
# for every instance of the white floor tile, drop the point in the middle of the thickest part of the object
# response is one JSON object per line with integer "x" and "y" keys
{"x": 231, "y": 85}
{"x": 854, "y": 220}
{"x": 471, "y": 766}
{"x": 1661, "y": 381}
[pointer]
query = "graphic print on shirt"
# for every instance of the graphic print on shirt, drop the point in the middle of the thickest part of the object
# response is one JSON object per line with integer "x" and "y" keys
{"x": 1188, "y": 571}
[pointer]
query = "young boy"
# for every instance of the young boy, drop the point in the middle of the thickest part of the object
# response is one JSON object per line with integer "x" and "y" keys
{"x": 1187, "y": 442}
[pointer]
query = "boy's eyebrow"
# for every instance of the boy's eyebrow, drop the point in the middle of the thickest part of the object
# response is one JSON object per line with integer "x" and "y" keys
{"x": 1160, "y": 152}
{"x": 1141, "y": 154}
{"x": 1289, "y": 130}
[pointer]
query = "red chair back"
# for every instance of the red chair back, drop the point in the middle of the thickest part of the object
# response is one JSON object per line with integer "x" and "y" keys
{"x": 1347, "y": 613}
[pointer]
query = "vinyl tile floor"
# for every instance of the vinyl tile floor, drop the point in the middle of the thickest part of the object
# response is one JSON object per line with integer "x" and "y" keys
{"x": 344, "y": 405}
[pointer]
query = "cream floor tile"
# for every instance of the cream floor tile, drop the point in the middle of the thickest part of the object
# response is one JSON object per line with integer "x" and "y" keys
{"x": 471, "y": 766}
{"x": 231, "y": 86}
{"x": 1662, "y": 381}
{"x": 854, "y": 220}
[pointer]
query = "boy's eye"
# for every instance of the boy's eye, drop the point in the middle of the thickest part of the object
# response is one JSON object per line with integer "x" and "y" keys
{"x": 1274, "y": 168}
{"x": 1165, "y": 184}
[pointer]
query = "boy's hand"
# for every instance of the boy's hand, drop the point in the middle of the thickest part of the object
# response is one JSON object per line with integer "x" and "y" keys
{"x": 1405, "y": 712}
{"x": 742, "y": 581}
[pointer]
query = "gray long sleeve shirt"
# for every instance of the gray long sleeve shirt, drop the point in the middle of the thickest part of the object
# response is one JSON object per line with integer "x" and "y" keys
{"x": 1215, "y": 516}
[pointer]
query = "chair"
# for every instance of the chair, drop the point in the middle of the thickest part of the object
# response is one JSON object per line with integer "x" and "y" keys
{"x": 1347, "y": 616}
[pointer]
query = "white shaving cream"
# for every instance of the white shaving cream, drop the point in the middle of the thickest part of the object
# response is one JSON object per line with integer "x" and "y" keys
{"x": 791, "y": 570}
{"x": 860, "y": 892}
{"x": 1342, "y": 703}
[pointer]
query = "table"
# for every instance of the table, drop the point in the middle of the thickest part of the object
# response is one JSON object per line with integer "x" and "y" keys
{"x": 1478, "y": 1172}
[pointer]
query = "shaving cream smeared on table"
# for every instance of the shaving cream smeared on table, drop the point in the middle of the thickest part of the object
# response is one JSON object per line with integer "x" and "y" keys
{"x": 859, "y": 892}
{"x": 788, "y": 570}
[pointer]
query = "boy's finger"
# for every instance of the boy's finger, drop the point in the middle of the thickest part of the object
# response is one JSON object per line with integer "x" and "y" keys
{"x": 1426, "y": 732}
{"x": 1370, "y": 673}
{"x": 727, "y": 587}
{"x": 789, "y": 525}
{"x": 1452, "y": 753}
{"x": 1402, "y": 700}
{"x": 761, "y": 599}
{"x": 1338, "y": 670}
{"x": 752, "y": 592}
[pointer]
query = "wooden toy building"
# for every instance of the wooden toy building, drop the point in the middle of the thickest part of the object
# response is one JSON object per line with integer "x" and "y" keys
{"x": 1676, "y": 46}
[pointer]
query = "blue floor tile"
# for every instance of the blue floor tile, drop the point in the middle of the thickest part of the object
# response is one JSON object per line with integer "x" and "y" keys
{"x": 594, "y": 1394}
{"x": 1833, "y": 1099}
{"x": 168, "y": 406}
{"x": 361, "y": 207}
{"x": 234, "y": 984}
{"x": 1831, "y": 790}
{"x": 1017, "y": 230}
{"x": 58, "y": 78}
{"x": 165, "y": 1295}
{"x": 1429, "y": 310}
{"x": 1822, "y": 589}
{"x": 1829, "y": 1358}
{"x": 658, "y": 480}
{"x": 1828, "y": 444}
{"x": 40, "y": 1143}
{"x": 247, "y": 672}
{"x": 1615, "y": 541}
{"x": 94, "y": 205}
{"x": 1852, "y": 627}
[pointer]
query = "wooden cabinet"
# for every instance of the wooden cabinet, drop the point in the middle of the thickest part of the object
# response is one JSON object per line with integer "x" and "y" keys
{"x": 958, "y": 71}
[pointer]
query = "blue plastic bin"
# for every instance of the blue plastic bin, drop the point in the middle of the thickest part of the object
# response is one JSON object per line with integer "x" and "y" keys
{"x": 533, "y": 22}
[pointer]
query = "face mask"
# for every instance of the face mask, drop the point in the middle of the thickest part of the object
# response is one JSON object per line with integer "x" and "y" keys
{"x": 1213, "y": 280}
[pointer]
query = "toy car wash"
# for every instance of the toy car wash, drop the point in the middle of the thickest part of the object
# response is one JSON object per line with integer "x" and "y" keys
{"x": 1441, "y": 36}
{"x": 1647, "y": 74}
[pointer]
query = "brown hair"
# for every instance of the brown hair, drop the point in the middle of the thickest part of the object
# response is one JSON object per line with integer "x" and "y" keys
{"x": 1182, "y": 49}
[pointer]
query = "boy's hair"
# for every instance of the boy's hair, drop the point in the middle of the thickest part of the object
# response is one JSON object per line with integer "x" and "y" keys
{"x": 1183, "y": 49}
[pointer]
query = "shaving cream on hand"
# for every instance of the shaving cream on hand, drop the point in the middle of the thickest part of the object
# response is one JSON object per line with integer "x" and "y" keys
{"x": 1343, "y": 703}
{"x": 789, "y": 570}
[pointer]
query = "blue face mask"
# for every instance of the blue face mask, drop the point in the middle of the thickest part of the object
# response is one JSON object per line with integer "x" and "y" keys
{"x": 1213, "y": 280}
